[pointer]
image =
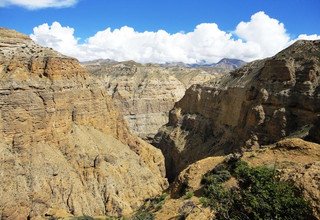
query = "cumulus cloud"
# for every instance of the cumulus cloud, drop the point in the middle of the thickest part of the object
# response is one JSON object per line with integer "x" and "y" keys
{"x": 308, "y": 37}
{"x": 267, "y": 33}
{"x": 260, "y": 37}
{"x": 55, "y": 36}
{"x": 38, "y": 4}
{"x": 207, "y": 42}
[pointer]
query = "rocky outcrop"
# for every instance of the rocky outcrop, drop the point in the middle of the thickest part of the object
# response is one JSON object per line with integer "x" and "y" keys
{"x": 295, "y": 161}
{"x": 64, "y": 147}
{"x": 146, "y": 93}
{"x": 258, "y": 104}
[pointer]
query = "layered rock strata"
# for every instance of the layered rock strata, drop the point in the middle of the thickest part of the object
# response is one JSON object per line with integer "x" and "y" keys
{"x": 146, "y": 93}
{"x": 258, "y": 104}
{"x": 64, "y": 147}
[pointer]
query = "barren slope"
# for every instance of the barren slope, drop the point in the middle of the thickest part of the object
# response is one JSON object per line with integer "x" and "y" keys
{"x": 64, "y": 146}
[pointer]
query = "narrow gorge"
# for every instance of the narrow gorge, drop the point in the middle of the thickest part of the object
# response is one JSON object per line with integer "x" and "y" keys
{"x": 147, "y": 92}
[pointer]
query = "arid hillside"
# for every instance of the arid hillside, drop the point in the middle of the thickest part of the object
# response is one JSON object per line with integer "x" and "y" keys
{"x": 65, "y": 149}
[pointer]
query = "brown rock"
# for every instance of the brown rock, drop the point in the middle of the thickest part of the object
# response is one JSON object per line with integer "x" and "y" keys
{"x": 146, "y": 93}
{"x": 258, "y": 104}
{"x": 65, "y": 148}
{"x": 190, "y": 178}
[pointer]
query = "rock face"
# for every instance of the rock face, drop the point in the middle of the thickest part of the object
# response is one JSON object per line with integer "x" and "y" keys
{"x": 64, "y": 146}
{"x": 258, "y": 104}
{"x": 146, "y": 93}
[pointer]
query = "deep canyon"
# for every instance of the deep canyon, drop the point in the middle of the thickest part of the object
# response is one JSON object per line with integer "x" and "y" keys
{"x": 102, "y": 138}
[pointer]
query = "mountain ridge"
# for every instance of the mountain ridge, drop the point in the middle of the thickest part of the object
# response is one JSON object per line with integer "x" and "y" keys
{"x": 226, "y": 63}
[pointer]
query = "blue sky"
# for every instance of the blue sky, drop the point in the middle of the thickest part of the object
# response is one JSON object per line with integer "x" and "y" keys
{"x": 90, "y": 16}
{"x": 87, "y": 17}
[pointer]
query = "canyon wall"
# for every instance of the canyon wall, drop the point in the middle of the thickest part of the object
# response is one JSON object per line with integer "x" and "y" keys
{"x": 258, "y": 104}
{"x": 147, "y": 92}
{"x": 64, "y": 147}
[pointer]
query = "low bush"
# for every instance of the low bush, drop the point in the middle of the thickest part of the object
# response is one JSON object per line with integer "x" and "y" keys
{"x": 260, "y": 195}
{"x": 149, "y": 207}
{"x": 188, "y": 195}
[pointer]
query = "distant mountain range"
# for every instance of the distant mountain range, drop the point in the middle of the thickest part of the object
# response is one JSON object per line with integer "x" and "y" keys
{"x": 230, "y": 63}
{"x": 100, "y": 61}
{"x": 225, "y": 63}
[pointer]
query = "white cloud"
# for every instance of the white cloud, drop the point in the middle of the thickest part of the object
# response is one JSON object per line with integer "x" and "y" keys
{"x": 206, "y": 42}
{"x": 38, "y": 4}
{"x": 260, "y": 37}
{"x": 268, "y": 33}
{"x": 308, "y": 37}
{"x": 55, "y": 36}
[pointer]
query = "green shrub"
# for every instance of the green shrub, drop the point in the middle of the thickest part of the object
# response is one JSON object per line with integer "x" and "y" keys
{"x": 261, "y": 195}
{"x": 157, "y": 202}
{"x": 188, "y": 195}
{"x": 161, "y": 198}
{"x": 217, "y": 196}
{"x": 151, "y": 205}
{"x": 204, "y": 201}
{"x": 215, "y": 177}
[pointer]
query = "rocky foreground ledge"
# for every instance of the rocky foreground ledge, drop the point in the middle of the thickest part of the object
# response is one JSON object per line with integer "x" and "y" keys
{"x": 64, "y": 147}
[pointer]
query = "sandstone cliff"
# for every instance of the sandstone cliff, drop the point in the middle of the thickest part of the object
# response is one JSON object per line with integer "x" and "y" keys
{"x": 64, "y": 147}
{"x": 146, "y": 93}
{"x": 258, "y": 104}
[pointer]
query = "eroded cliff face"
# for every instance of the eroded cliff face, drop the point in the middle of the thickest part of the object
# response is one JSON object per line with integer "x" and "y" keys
{"x": 64, "y": 147}
{"x": 146, "y": 93}
{"x": 258, "y": 104}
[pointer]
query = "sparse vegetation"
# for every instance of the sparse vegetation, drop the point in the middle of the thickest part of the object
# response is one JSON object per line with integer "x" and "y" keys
{"x": 143, "y": 215}
{"x": 260, "y": 194}
{"x": 189, "y": 195}
{"x": 85, "y": 217}
{"x": 151, "y": 205}
{"x": 186, "y": 209}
